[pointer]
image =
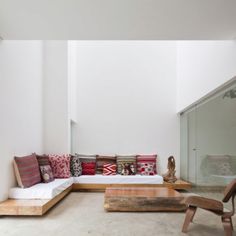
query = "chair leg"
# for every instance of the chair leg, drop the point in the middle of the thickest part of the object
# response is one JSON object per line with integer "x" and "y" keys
{"x": 188, "y": 218}
{"x": 232, "y": 226}
{"x": 227, "y": 224}
{"x": 195, "y": 209}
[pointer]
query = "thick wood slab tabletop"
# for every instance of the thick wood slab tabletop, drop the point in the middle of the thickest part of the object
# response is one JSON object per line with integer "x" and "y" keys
{"x": 141, "y": 192}
{"x": 143, "y": 199}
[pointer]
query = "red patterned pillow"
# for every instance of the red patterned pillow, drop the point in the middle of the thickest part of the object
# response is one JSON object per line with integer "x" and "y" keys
{"x": 109, "y": 169}
{"x": 88, "y": 168}
{"x": 146, "y": 164}
{"x": 27, "y": 171}
{"x": 60, "y": 165}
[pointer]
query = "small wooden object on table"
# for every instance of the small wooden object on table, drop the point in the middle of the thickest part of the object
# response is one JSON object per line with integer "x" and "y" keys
{"x": 143, "y": 199}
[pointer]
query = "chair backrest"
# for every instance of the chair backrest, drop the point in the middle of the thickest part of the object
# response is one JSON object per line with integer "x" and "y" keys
{"x": 230, "y": 190}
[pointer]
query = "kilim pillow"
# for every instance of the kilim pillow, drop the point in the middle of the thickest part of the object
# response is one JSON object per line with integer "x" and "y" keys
{"x": 88, "y": 168}
{"x": 101, "y": 160}
{"x": 46, "y": 173}
{"x": 86, "y": 158}
{"x": 109, "y": 169}
{"x": 27, "y": 171}
{"x": 127, "y": 169}
{"x": 43, "y": 160}
{"x": 122, "y": 160}
{"x": 75, "y": 166}
{"x": 146, "y": 164}
{"x": 60, "y": 165}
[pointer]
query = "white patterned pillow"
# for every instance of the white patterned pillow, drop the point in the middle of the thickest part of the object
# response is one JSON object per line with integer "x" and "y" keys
{"x": 75, "y": 166}
{"x": 147, "y": 169}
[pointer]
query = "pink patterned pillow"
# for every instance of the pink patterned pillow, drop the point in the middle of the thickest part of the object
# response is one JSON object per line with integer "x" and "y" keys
{"x": 60, "y": 165}
{"x": 147, "y": 169}
{"x": 146, "y": 164}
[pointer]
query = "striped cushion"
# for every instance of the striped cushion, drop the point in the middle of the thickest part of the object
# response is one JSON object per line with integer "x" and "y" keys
{"x": 123, "y": 160}
{"x": 146, "y": 164}
{"x": 101, "y": 160}
{"x": 109, "y": 169}
{"x": 27, "y": 171}
{"x": 86, "y": 158}
{"x": 43, "y": 160}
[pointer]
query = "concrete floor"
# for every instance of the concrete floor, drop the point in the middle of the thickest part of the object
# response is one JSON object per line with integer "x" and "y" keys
{"x": 83, "y": 214}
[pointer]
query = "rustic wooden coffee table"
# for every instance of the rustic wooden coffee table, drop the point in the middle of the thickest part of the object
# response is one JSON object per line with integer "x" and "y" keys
{"x": 143, "y": 199}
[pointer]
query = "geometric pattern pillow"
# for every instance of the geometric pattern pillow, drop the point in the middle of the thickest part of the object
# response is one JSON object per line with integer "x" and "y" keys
{"x": 75, "y": 166}
{"x": 109, "y": 169}
{"x": 27, "y": 171}
{"x": 88, "y": 168}
{"x": 46, "y": 173}
{"x": 60, "y": 165}
{"x": 146, "y": 162}
{"x": 101, "y": 160}
{"x": 148, "y": 169}
{"x": 123, "y": 160}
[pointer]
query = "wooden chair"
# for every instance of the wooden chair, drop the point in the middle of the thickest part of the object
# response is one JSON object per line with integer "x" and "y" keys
{"x": 214, "y": 206}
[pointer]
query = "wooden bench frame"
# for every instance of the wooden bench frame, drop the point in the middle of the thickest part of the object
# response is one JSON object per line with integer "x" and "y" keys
{"x": 178, "y": 185}
{"x": 37, "y": 207}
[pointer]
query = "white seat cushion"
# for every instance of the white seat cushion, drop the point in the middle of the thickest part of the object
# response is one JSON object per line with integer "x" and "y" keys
{"x": 118, "y": 179}
{"x": 41, "y": 190}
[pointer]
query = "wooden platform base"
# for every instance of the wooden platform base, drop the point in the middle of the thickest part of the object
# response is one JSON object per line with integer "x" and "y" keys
{"x": 178, "y": 185}
{"x": 40, "y": 207}
{"x": 33, "y": 207}
{"x": 143, "y": 200}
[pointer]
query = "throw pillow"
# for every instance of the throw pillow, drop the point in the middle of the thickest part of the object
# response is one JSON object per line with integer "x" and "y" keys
{"x": 75, "y": 166}
{"x": 86, "y": 158}
{"x": 127, "y": 169}
{"x": 147, "y": 169}
{"x": 60, "y": 165}
{"x": 101, "y": 160}
{"x": 46, "y": 173}
{"x": 43, "y": 160}
{"x": 143, "y": 161}
{"x": 27, "y": 171}
{"x": 109, "y": 169}
{"x": 121, "y": 160}
{"x": 88, "y": 168}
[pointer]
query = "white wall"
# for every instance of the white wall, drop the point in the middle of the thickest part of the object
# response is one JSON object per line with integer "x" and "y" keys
{"x": 202, "y": 66}
{"x": 126, "y": 98}
{"x": 20, "y": 105}
{"x": 55, "y": 97}
{"x": 72, "y": 87}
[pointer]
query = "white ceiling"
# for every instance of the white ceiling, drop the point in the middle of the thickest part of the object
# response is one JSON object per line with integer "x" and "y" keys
{"x": 118, "y": 19}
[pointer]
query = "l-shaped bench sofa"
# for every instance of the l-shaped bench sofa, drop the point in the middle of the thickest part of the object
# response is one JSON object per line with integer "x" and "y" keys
{"x": 38, "y": 199}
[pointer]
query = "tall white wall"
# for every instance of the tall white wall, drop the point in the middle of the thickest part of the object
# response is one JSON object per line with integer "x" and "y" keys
{"x": 202, "y": 66}
{"x": 56, "y": 98}
{"x": 72, "y": 80}
{"x": 126, "y": 98}
{"x": 20, "y": 104}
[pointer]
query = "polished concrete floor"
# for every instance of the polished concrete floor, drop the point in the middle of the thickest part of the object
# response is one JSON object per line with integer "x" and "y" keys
{"x": 83, "y": 214}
